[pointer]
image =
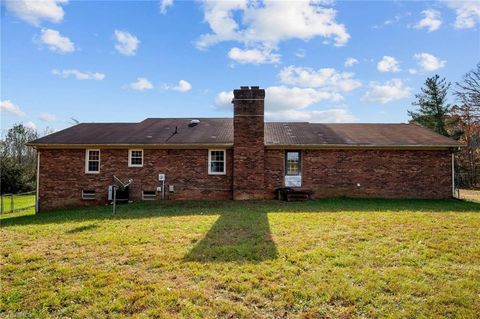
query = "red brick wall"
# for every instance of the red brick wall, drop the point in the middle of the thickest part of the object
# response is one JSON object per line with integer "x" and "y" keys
{"x": 248, "y": 144}
{"x": 380, "y": 173}
{"x": 329, "y": 173}
{"x": 62, "y": 176}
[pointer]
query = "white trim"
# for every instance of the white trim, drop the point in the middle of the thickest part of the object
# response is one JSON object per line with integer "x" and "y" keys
{"x": 89, "y": 196}
{"x": 87, "y": 151}
{"x": 149, "y": 196}
{"x": 130, "y": 157}
{"x": 37, "y": 204}
{"x": 224, "y": 161}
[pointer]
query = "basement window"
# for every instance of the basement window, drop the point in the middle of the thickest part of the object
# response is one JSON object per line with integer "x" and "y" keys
{"x": 149, "y": 195}
{"x": 292, "y": 163}
{"x": 88, "y": 194}
{"x": 92, "y": 161}
{"x": 135, "y": 158}
{"x": 216, "y": 162}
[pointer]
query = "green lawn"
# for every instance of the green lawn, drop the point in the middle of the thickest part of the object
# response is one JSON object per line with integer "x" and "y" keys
{"x": 20, "y": 202}
{"x": 340, "y": 258}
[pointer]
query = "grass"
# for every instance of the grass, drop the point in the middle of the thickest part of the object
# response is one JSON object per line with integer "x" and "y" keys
{"x": 21, "y": 202}
{"x": 338, "y": 258}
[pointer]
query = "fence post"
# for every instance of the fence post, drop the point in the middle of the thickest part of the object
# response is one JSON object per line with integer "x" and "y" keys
{"x": 12, "y": 205}
{"x": 2, "y": 205}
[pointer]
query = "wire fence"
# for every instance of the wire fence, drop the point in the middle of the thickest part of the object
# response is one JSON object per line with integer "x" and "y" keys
{"x": 16, "y": 202}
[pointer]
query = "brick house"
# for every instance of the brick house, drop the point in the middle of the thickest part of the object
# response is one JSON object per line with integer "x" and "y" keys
{"x": 241, "y": 158}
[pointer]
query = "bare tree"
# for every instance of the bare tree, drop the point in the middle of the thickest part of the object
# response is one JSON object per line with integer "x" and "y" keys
{"x": 466, "y": 117}
{"x": 468, "y": 91}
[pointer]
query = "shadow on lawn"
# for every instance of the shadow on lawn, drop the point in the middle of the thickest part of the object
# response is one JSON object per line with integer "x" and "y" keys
{"x": 236, "y": 237}
{"x": 185, "y": 208}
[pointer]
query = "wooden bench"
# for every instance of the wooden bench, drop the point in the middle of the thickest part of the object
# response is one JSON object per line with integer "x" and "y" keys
{"x": 290, "y": 194}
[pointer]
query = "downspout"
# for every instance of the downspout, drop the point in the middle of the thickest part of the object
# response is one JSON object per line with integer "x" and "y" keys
{"x": 453, "y": 174}
{"x": 37, "y": 200}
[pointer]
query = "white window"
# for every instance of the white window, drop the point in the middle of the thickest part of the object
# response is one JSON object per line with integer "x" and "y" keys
{"x": 292, "y": 163}
{"x": 149, "y": 195}
{"x": 92, "y": 161}
{"x": 135, "y": 158}
{"x": 216, "y": 162}
{"x": 88, "y": 194}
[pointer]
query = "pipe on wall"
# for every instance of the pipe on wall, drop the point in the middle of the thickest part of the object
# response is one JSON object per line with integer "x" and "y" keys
{"x": 37, "y": 199}
{"x": 453, "y": 174}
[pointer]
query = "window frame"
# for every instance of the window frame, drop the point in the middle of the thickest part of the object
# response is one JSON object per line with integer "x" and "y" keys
{"x": 149, "y": 196}
{"x": 130, "y": 157}
{"x": 210, "y": 162}
{"x": 89, "y": 194}
{"x": 87, "y": 160}
{"x": 299, "y": 162}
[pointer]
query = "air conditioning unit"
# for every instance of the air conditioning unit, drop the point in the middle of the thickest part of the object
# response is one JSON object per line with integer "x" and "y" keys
{"x": 121, "y": 195}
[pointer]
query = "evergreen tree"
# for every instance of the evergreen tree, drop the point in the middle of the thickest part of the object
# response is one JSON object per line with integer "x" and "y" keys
{"x": 17, "y": 161}
{"x": 433, "y": 108}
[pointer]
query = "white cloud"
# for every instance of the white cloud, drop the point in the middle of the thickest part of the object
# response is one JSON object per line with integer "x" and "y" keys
{"x": 270, "y": 22}
{"x": 47, "y": 117}
{"x": 412, "y": 71}
{"x": 30, "y": 125}
{"x": 34, "y": 12}
{"x": 333, "y": 115}
{"x": 388, "y": 64}
{"x": 301, "y": 53}
{"x": 253, "y": 56}
{"x": 127, "y": 44}
{"x": 56, "y": 42}
{"x": 326, "y": 78}
{"x": 429, "y": 62}
{"x": 183, "y": 86}
{"x": 8, "y": 106}
{"x": 292, "y": 104}
{"x": 164, "y": 4}
{"x": 432, "y": 20}
{"x": 141, "y": 84}
{"x": 224, "y": 99}
{"x": 387, "y": 92}
{"x": 282, "y": 98}
{"x": 468, "y": 13}
{"x": 79, "y": 75}
{"x": 350, "y": 62}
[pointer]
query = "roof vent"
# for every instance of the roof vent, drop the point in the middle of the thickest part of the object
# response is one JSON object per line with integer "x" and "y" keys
{"x": 193, "y": 123}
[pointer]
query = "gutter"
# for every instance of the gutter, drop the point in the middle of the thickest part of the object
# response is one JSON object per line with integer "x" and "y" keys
{"x": 230, "y": 145}
{"x": 37, "y": 190}
{"x": 127, "y": 146}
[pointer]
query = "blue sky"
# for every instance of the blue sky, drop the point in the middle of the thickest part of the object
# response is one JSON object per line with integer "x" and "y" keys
{"x": 328, "y": 61}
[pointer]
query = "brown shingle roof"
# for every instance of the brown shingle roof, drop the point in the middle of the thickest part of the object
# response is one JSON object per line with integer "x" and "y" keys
{"x": 219, "y": 131}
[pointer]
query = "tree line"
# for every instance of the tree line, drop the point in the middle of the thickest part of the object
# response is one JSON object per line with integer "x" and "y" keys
{"x": 460, "y": 121}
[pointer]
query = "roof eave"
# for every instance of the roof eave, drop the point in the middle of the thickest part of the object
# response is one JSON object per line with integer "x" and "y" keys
{"x": 145, "y": 146}
{"x": 361, "y": 146}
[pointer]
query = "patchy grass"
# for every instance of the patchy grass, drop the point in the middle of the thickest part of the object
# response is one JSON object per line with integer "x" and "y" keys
{"x": 470, "y": 194}
{"x": 21, "y": 202}
{"x": 340, "y": 258}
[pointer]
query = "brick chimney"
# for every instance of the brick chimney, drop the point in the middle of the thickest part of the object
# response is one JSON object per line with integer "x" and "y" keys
{"x": 248, "y": 143}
